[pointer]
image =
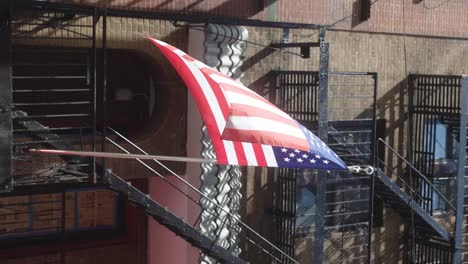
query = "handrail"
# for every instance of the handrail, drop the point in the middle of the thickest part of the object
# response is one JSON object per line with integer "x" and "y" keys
{"x": 418, "y": 172}
{"x": 200, "y": 193}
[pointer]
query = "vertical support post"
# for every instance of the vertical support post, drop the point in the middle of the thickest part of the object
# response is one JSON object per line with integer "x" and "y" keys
{"x": 323, "y": 135}
{"x": 6, "y": 125}
{"x": 372, "y": 177}
{"x": 94, "y": 93}
{"x": 461, "y": 170}
{"x": 104, "y": 89}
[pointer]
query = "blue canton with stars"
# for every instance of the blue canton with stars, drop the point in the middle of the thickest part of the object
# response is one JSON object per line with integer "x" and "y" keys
{"x": 293, "y": 158}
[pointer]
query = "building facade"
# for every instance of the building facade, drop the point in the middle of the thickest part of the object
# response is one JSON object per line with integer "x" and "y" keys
{"x": 394, "y": 69}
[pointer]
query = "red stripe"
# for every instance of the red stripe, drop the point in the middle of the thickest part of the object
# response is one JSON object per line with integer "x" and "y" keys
{"x": 240, "y": 153}
{"x": 259, "y": 155}
{"x": 200, "y": 100}
{"x": 267, "y": 138}
{"x": 252, "y": 111}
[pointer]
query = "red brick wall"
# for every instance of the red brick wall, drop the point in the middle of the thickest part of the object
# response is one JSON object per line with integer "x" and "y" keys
{"x": 429, "y": 17}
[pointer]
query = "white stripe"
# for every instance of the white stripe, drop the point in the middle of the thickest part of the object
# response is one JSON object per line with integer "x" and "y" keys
{"x": 249, "y": 154}
{"x": 202, "y": 65}
{"x": 237, "y": 98}
{"x": 269, "y": 156}
{"x": 209, "y": 94}
{"x": 263, "y": 124}
{"x": 230, "y": 152}
{"x": 179, "y": 52}
{"x": 160, "y": 42}
{"x": 221, "y": 79}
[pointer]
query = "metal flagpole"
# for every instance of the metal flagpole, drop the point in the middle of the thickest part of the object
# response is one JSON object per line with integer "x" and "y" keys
{"x": 368, "y": 170}
{"x": 119, "y": 155}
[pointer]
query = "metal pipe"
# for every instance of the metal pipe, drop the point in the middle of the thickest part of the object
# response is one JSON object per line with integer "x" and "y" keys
{"x": 118, "y": 155}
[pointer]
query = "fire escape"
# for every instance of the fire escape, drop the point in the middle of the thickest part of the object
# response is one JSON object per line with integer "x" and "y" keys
{"x": 66, "y": 118}
{"x": 54, "y": 105}
{"x": 410, "y": 186}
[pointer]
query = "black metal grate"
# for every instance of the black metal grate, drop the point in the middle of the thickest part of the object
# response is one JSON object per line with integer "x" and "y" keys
{"x": 296, "y": 93}
{"x": 351, "y": 134}
{"x": 285, "y": 211}
{"x": 432, "y": 251}
{"x": 433, "y": 102}
{"x": 54, "y": 92}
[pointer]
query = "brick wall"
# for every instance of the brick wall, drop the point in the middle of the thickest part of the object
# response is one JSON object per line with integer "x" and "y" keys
{"x": 349, "y": 51}
{"x": 393, "y": 57}
{"x": 429, "y": 17}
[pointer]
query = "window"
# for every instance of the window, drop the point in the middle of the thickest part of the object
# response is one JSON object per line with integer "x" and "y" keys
{"x": 444, "y": 168}
{"x": 71, "y": 211}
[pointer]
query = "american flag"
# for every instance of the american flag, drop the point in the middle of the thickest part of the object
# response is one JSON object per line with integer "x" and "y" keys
{"x": 245, "y": 128}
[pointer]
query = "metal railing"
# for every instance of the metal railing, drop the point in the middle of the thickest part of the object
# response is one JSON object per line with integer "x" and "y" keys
{"x": 251, "y": 236}
{"x": 413, "y": 182}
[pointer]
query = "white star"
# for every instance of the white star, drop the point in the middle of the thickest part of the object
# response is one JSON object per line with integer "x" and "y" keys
{"x": 326, "y": 161}
{"x": 312, "y": 161}
{"x": 284, "y": 150}
{"x": 286, "y": 159}
{"x": 305, "y": 156}
{"x": 292, "y": 155}
{"x": 299, "y": 160}
{"x": 296, "y": 150}
{"x": 317, "y": 156}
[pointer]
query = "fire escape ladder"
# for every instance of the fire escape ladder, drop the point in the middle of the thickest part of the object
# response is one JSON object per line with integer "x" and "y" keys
{"x": 169, "y": 220}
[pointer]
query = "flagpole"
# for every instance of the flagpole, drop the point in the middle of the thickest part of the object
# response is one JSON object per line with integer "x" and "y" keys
{"x": 119, "y": 155}
{"x": 367, "y": 170}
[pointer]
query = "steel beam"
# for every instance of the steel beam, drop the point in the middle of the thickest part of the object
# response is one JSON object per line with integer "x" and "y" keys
{"x": 461, "y": 170}
{"x": 323, "y": 135}
{"x": 169, "y": 220}
{"x": 6, "y": 125}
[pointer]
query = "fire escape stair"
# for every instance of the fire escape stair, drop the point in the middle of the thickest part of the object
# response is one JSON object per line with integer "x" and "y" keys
{"x": 396, "y": 198}
{"x": 152, "y": 208}
{"x": 169, "y": 220}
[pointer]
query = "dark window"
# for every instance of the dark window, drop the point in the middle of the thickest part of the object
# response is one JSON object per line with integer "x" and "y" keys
{"x": 72, "y": 212}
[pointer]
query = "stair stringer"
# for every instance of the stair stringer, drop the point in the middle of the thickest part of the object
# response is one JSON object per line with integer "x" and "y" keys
{"x": 401, "y": 200}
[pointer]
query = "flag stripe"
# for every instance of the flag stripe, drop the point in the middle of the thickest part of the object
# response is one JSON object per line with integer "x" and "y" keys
{"x": 274, "y": 139}
{"x": 230, "y": 152}
{"x": 261, "y": 160}
{"x": 249, "y": 154}
{"x": 242, "y": 99}
{"x": 269, "y": 156}
{"x": 239, "y": 151}
{"x": 235, "y": 86}
{"x": 259, "y": 124}
{"x": 253, "y": 111}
